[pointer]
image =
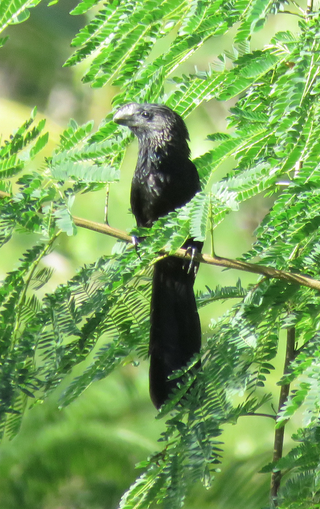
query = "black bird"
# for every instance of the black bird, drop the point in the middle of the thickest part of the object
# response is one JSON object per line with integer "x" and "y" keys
{"x": 165, "y": 179}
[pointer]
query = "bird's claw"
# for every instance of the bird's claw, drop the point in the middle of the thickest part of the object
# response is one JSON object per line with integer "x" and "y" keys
{"x": 135, "y": 242}
{"x": 192, "y": 251}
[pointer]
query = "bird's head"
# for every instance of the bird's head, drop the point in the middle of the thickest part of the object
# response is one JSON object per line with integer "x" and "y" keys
{"x": 155, "y": 123}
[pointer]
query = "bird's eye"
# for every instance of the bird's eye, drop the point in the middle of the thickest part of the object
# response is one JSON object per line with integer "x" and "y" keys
{"x": 146, "y": 114}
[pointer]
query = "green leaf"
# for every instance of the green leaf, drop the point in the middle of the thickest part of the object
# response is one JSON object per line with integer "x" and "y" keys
{"x": 15, "y": 11}
{"x": 64, "y": 221}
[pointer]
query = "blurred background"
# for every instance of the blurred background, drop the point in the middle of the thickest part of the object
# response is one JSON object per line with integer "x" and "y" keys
{"x": 84, "y": 456}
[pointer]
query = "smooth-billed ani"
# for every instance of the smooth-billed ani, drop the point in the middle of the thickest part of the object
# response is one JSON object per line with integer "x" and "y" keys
{"x": 165, "y": 179}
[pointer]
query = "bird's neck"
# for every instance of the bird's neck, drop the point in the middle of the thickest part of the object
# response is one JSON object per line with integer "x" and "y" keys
{"x": 159, "y": 151}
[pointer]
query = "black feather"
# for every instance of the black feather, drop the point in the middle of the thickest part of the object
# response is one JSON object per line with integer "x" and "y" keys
{"x": 165, "y": 179}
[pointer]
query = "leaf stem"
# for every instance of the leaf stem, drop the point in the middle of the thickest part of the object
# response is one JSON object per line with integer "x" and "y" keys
{"x": 279, "y": 432}
{"x": 106, "y": 204}
{"x": 211, "y": 227}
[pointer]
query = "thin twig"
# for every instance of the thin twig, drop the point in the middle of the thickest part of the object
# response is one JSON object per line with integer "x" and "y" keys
{"x": 219, "y": 261}
{"x": 106, "y": 204}
{"x": 279, "y": 432}
{"x": 258, "y": 414}
{"x": 298, "y": 7}
{"x": 292, "y": 13}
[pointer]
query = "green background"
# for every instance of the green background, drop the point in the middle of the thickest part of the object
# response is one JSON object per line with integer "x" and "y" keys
{"x": 84, "y": 456}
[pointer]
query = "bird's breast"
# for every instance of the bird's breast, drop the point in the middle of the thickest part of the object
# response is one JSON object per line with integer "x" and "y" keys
{"x": 155, "y": 183}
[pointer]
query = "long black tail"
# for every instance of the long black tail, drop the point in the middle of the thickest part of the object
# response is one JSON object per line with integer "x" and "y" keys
{"x": 175, "y": 334}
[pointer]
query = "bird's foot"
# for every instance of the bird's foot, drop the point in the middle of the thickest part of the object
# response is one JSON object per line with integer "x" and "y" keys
{"x": 192, "y": 266}
{"x": 136, "y": 242}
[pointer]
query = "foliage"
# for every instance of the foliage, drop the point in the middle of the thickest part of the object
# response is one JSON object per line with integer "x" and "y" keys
{"x": 273, "y": 138}
{"x": 15, "y": 11}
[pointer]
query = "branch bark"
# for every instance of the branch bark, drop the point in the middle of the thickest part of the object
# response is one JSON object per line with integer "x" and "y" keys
{"x": 219, "y": 261}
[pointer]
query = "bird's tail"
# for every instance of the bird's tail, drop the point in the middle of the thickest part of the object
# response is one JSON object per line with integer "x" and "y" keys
{"x": 175, "y": 334}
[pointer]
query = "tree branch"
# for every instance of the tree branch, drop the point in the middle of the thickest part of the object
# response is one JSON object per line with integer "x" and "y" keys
{"x": 102, "y": 228}
{"x": 219, "y": 261}
{"x": 279, "y": 432}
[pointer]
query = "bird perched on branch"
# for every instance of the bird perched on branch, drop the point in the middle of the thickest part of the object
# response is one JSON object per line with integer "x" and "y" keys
{"x": 165, "y": 179}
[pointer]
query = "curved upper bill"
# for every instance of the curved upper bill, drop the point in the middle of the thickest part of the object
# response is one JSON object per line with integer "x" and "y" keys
{"x": 125, "y": 114}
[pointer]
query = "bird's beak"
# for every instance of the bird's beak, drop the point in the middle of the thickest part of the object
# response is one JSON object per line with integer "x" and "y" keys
{"x": 125, "y": 115}
{"x": 122, "y": 119}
